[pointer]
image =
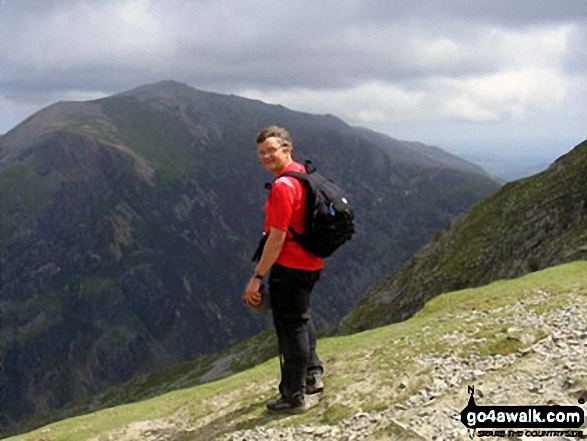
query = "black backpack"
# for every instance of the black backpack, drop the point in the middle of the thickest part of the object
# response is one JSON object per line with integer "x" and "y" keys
{"x": 329, "y": 219}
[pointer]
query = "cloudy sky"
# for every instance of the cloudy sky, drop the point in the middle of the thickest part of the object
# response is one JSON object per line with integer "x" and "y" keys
{"x": 480, "y": 76}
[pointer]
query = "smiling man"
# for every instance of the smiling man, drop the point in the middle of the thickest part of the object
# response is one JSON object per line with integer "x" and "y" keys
{"x": 292, "y": 274}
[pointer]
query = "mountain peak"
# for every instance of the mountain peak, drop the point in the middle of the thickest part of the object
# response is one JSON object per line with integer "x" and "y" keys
{"x": 130, "y": 221}
{"x": 167, "y": 92}
{"x": 166, "y": 87}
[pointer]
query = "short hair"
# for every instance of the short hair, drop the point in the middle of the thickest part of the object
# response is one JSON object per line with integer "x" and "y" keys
{"x": 274, "y": 131}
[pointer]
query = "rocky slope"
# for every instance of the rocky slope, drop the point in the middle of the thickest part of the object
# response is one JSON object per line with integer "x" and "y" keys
{"x": 128, "y": 223}
{"x": 518, "y": 342}
{"x": 528, "y": 225}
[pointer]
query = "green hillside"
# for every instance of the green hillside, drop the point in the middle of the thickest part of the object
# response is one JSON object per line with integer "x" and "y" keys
{"x": 519, "y": 341}
{"x": 530, "y": 224}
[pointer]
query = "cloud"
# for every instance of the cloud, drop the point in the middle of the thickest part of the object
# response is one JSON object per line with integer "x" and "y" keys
{"x": 496, "y": 97}
{"x": 372, "y": 63}
{"x": 502, "y": 13}
{"x": 82, "y": 37}
{"x": 228, "y": 43}
{"x": 575, "y": 54}
{"x": 512, "y": 73}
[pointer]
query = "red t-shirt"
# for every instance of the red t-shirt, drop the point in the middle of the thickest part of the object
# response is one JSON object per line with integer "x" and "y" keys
{"x": 286, "y": 206}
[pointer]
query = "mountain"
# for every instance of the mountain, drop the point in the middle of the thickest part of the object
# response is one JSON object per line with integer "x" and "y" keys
{"x": 418, "y": 153}
{"x": 530, "y": 224}
{"x": 518, "y": 342}
{"x": 128, "y": 224}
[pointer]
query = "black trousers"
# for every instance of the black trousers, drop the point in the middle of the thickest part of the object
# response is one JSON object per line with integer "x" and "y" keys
{"x": 296, "y": 335}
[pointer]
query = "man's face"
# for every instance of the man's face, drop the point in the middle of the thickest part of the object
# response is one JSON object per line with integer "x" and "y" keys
{"x": 273, "y": 155}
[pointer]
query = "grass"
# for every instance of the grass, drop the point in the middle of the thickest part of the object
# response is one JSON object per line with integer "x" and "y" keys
{"x": 22, "y": 195}
{"x": 157, "y": 130}
{"x": 510, "y": 232}
{"x": 365, "y": 372}
{"x": 335, "y": 413}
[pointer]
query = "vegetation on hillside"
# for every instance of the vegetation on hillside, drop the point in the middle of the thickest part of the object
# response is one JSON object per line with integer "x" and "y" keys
{"x": 128, "y": 224}
{"x": 402, "y": 381}
{"x": 530, "y": 224}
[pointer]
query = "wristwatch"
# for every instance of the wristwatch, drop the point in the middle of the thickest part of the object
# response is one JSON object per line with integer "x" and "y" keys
{"x": 258, "y": 276}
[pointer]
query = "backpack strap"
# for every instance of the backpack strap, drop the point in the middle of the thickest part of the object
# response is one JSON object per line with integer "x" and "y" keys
{"x": 302, "y": 177}
{"x": 298, "y": 175}
{"x": 294, "y": 233}
{"x": 310, "y": 168}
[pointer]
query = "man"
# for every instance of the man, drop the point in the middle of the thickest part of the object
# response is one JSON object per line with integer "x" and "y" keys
{"x": 292, "y": 274}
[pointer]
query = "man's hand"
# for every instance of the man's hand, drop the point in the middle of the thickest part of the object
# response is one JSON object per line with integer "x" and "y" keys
{"x": 252, "y": 296}
{"x": 271, "y": 252}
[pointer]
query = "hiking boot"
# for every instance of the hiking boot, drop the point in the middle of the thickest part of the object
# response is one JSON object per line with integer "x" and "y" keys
{"x": 297, "y": 404}
{"x": 314, "y": 382}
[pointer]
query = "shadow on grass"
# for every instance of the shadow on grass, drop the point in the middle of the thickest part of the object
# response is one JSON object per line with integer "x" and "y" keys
{"x": 234, "y": 421}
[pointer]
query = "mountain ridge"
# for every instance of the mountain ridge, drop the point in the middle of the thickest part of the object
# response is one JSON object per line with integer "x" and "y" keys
{"x": 528, "y": 225}
{"x": 172, "y": 93}
{"x": 129, "y": 223}
{"x": 419, "y": 153}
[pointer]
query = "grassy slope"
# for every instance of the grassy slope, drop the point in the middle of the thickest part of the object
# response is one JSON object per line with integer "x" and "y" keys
{"x": 382, "y": 360}
{"x": 530, "y": 224}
